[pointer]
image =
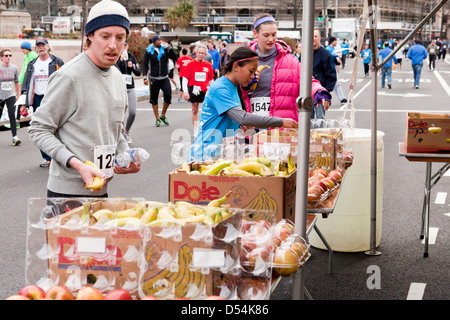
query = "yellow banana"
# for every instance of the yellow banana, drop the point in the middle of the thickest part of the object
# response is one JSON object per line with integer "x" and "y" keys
{"x": 240, "y": 172}
{"x": 255, "y": 167}
{"x": 261, "y": 159}
{"x": 150, "y": 215}
{"x": 98, "y": 182}
{"x": 291, "y": 165}
{"x": 165, "y": 213}
{"x": 124, "y": 221}
{"x": 217, "y": 167}
{"x": 218, "y": 202}
{"x": 434, "y": 130}
{"x": 260, "y": 68}
{"x": 98, "y": 214}
{"x": 185, "y": 167}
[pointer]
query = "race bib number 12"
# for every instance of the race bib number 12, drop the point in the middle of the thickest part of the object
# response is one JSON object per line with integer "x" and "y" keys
{"x": 104, "y": 159}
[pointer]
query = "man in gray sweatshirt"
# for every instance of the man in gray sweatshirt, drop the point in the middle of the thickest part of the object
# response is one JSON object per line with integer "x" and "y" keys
{"x": 81, "y": 115}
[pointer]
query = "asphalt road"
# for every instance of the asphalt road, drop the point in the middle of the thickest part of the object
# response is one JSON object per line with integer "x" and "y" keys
{"x": 401, "y": 265}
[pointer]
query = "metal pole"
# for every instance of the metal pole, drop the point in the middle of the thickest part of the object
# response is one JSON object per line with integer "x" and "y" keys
{"x": 305, "y": 105}
{"x": 373, "y": 171}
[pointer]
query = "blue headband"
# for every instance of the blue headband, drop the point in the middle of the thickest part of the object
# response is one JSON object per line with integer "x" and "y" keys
{"x": 262, "y": 20}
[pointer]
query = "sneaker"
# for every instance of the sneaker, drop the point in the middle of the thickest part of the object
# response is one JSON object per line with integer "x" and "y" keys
{"x": 158, "y": 123}
{"x": 45, "y": 164}
{"x": 164, "y": 119}
{"x": 389, "y": 86}
{"x": 16, "y": 141}
{"x": 126, "y": 136}
{"x": 417, "y": 87}
{"x": 180, "y": 100}
{"x": 344, "y": 101}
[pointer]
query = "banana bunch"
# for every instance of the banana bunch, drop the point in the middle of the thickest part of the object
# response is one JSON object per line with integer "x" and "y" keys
{"x": 186, "y": 282}
{"x": 322, "y": 160}
{"x": 261, "y": 203}
{"x": 250, "y": 166}
{"x": 260, "y": 68}
{"x": 151, "y": 213}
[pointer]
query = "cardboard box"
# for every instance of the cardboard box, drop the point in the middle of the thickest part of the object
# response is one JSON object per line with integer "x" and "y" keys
{"x": 419, "y": 137}
{"x": 258, "y": 193}
{"x": 190, "y": 261}
{"x": 326, "y": 146}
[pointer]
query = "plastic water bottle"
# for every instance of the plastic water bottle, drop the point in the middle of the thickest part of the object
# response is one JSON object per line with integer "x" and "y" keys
{"x": 123, "y": 159}
{"x": 139, "y": 155}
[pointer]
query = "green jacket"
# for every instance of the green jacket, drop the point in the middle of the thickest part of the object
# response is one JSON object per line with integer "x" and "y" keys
{"x": 28, "y": 57}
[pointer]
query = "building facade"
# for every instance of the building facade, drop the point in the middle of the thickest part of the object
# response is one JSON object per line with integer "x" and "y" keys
{"x": 230, "y": 15}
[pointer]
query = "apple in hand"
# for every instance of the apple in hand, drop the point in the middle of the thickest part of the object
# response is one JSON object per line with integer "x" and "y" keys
{"x": 32, "y": 292}
{"x": 89, "y": 293}
{"x": 118, "y": 294}
{"x": 59, "y": 293}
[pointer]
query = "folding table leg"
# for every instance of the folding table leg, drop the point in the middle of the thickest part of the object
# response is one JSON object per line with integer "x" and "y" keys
{"x": 330, "y": 252}
{"x": 427, "y": 207}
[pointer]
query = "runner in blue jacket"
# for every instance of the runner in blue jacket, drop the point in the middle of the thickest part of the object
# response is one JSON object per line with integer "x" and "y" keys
{"x": 417, "y": 54}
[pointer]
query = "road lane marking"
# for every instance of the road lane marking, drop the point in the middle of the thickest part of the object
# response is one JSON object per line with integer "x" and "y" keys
{"x": 432, "y": 235}
{"x": 442, "y": 82}
{"x": 416, "y": 291}
{"x": 440, "y": 198}
{"x": 357, "y": 94}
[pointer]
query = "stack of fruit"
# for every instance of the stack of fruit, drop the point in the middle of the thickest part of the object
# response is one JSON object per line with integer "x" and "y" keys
{"x": 34, "y": 292}
{"x": 264, "y": 245}
{"x": 250, "y": 166}
{"x": 152, "y": 213}
{"x": 322, "y": 183}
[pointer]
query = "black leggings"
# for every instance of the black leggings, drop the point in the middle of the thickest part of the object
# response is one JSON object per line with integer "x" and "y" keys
{"x": 11, "y": 108}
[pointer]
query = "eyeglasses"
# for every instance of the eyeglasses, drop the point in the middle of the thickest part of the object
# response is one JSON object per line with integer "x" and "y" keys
{"x": 7, "y": 55}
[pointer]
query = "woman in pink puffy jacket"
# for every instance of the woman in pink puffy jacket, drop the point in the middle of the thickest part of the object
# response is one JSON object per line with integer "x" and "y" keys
{"x": 277, "y": 87}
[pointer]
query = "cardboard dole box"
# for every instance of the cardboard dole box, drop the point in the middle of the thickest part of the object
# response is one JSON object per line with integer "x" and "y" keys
{"x": 427, "y": 132}
{"x": 272, "y": 193}
{"x": 165, "y": 261}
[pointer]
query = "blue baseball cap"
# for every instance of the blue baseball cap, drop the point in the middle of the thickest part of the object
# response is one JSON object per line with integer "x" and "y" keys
{"x": 25, "y": 45}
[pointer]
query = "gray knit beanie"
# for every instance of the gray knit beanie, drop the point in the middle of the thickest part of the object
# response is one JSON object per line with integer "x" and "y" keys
{"x": 107, "y": 13}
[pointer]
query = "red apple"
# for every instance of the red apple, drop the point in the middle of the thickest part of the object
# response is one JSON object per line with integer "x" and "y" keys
{"x": 286, "y": 262}
{"x": 32, "y": 292}
{"x": 118, "y": 294}
{"x": 330, "y": 182}
{"x": 321, "y": 184}
{"x": 214, "y": 298}
{"x": 17, "y": 297}
{"x": 299, "y": 248}
{"x": 149, "y": 298}
{"x": 259, "y": 255}
{"x": 314, "y": 193}
{"x": 89, "y": 293}
{"x": 337, "y": 174}
{"x": 59, "y": 293}
{"x": 276, "y": 242}
{"x": 319, "y": 172}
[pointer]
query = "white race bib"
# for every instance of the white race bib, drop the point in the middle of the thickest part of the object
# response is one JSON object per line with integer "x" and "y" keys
{"x": 432, "y": 51}
{"x": 260, "y": 105}
{"x": 200, "y": 76}
{"x": 7, "y": 85}
{"x": 128, "y": 79}
{"x": 104, "y": 159}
